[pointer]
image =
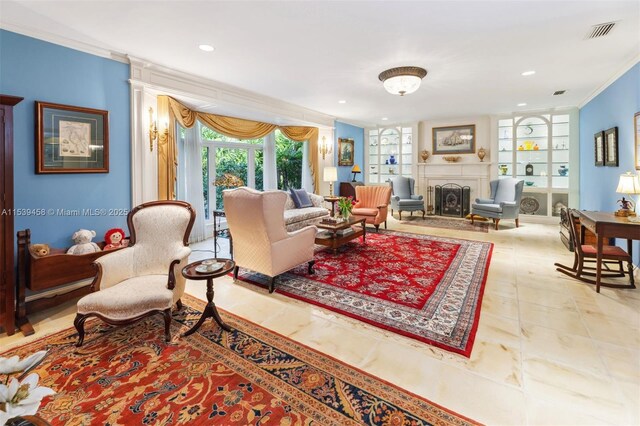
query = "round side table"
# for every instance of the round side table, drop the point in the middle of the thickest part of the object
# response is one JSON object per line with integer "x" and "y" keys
{"x": 210, "y": 310}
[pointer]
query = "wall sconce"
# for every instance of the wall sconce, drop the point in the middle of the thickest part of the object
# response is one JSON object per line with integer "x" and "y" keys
{"x": 153, "y": 130}
{"x": 325, "y": 147}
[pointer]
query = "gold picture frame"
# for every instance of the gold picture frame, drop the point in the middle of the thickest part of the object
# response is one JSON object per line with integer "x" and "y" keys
{"x": 345, "y": 152}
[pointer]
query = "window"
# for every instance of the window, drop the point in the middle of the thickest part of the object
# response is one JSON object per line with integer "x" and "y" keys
{"x": 289, "y": 156}
{"x": 225, "y": 155}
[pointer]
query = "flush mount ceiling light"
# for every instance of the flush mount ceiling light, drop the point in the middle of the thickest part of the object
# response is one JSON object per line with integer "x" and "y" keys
{"x": 402, "y": 80}
{"x": 206, "y": 47}
{"x": 528, "y": 73}
{"x": 342, "y": 101}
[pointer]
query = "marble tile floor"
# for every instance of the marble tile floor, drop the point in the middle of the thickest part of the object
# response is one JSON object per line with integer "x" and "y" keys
{"x": 549, "y": 350}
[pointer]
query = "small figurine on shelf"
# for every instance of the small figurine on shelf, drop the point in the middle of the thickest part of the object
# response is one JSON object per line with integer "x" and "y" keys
{"x": 563, "y": 170}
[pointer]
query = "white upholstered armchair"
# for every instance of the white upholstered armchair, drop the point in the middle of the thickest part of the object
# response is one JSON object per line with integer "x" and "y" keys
{"x": 145, "y": 277}
{"x": 261, "y": 242}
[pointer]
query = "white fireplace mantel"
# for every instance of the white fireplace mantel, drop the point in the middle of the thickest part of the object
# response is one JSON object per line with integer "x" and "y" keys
{"x": 475, "y": 175}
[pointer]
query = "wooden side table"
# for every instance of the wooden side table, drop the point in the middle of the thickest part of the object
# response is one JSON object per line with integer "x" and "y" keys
{"x": 210, "y": 310}
{"x": 333, "y": 201}
{"x": 224, "y": 233}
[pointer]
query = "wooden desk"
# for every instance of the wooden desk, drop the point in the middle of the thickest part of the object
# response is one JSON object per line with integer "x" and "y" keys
{"x": 607, "y": 225}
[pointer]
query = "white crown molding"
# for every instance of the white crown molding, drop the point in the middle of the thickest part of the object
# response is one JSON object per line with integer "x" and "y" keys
{"x": 610, "y": 81}
{"x": 172, "y": 82}
{"x": 63, "y": 41}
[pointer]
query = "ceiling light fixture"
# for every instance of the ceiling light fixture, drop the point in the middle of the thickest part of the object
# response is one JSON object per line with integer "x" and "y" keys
{"x": 528, "y": 73}
{"x": 402, "y": 80}
{"x": 522, "y": 104}
{"x": 206, "y": 47}
{"x": 342, "y": 101}
{"x": 384, "y": 118}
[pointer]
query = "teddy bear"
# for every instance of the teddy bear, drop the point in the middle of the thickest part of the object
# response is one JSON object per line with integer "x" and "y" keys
{"x": 83, "y": 245}
{"x": 114, "y": 238}
{"x": 39, "y": 250}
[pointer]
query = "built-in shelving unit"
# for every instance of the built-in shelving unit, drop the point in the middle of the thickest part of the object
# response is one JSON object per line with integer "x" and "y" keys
{"x": 542, "y": 150}
{"x": 389, "y": 152}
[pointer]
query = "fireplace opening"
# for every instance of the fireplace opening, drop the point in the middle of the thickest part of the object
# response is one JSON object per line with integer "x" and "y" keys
{"x": 452, "y": 200}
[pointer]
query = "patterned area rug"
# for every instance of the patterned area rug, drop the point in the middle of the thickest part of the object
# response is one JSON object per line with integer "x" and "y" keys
{"x": 425, "y": 287}
{"x": 250, "y": 376}
{"x": 447, "y": 223}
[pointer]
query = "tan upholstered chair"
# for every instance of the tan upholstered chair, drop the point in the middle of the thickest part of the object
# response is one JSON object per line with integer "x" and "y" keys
{"x": 372, "y": 204}
{"x": 144, "y": 278}
{"x": 261, "y": 242}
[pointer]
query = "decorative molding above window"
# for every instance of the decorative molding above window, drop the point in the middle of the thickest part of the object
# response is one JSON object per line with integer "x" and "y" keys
{"x": 245, "y": 104}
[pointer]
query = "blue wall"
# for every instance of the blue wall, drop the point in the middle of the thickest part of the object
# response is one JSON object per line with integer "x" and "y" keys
{"x": 348, "y": 131}
{"x": 615, "y": 106}
{"x": 42, "y": 71}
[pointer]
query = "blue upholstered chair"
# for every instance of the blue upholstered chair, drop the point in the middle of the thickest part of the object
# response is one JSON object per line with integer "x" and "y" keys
{"x": 403, "y": 197}
{"x": 504, "y": 202}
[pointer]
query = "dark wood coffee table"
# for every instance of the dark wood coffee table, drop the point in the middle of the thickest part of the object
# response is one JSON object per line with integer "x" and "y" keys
{"x": 210, "y": 310}
{"x": 331, "y": 237}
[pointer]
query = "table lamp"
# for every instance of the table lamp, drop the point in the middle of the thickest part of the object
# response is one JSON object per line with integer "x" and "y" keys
{"x": 330, "y": 175}
{"x": 628, "y": 185}
{"x": 355, "y": 170}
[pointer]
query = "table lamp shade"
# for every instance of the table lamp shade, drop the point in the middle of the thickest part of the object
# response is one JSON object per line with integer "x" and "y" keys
{"x": 628, "y": 184}
{"x": 330, "y": 174}
{"x": 356, "y": 169}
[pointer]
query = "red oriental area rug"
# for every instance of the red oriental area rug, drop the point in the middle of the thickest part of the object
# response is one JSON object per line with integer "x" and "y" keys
{"x": 424, "y": 287}
{"x": 250, "y": 376}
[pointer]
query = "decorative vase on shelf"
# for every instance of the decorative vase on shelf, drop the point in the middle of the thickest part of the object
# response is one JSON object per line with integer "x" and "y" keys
{"x": 563, "y": 170}
{"x": 392, "y": 159}
{"x": 425, "y": 155}
{"x": 503, "y": 169}
{"x": 481, "y": 154}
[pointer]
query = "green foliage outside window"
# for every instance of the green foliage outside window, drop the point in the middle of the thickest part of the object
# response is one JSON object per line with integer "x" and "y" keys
{"x": 235, "y": 161}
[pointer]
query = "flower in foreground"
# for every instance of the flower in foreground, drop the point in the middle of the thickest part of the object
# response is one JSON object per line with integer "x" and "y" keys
{"x": 21, "y": 398}
{"x": 14, "y": 364}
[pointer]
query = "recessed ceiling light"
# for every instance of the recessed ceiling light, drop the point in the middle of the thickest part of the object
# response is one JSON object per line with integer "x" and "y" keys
{"x": 342, "y": 101}
{"x": 206, "y": 47}
{"x": 522, "y": 104}
{"x": 384, "y": 118}
{"x": 528, "y": 73}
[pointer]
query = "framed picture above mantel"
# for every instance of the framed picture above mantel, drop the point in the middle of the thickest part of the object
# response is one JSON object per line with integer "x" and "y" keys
{"x": 71, "y": 139}
{"x": 454, "y": 139}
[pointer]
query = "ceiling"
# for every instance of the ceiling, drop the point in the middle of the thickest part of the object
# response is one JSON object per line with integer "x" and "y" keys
{"x": 315, "y": 53}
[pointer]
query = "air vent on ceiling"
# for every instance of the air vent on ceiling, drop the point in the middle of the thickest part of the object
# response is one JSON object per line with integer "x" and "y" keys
{"x": 559, "y": 92}
{"x": 600, "y": 30}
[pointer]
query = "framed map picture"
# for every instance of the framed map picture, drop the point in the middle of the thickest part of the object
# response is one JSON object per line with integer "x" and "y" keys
{"x": 71, "y": 139}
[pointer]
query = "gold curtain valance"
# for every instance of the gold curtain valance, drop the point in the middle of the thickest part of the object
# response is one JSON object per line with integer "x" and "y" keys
{"x": 171, "y": 111}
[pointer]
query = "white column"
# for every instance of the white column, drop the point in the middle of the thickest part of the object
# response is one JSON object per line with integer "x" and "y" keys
{"x": 269, "y": 178}
{"x": 144, "y": 162}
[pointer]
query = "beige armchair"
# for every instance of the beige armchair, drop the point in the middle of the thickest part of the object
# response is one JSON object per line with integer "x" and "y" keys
{"x": 144, "y": 278}
{"x": 261, "y": 242}
{"x": 373, "y": 202}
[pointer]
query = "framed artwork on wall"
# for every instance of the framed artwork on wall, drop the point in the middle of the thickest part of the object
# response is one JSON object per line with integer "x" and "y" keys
{"x": 345, "y": 152}
{"x": 611, "y": 147}
{"x": 599, "y": 148}
{"x": 636, "y": 131}
{"x": 454, "y": 139}
{"x": 71, "y": 139}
